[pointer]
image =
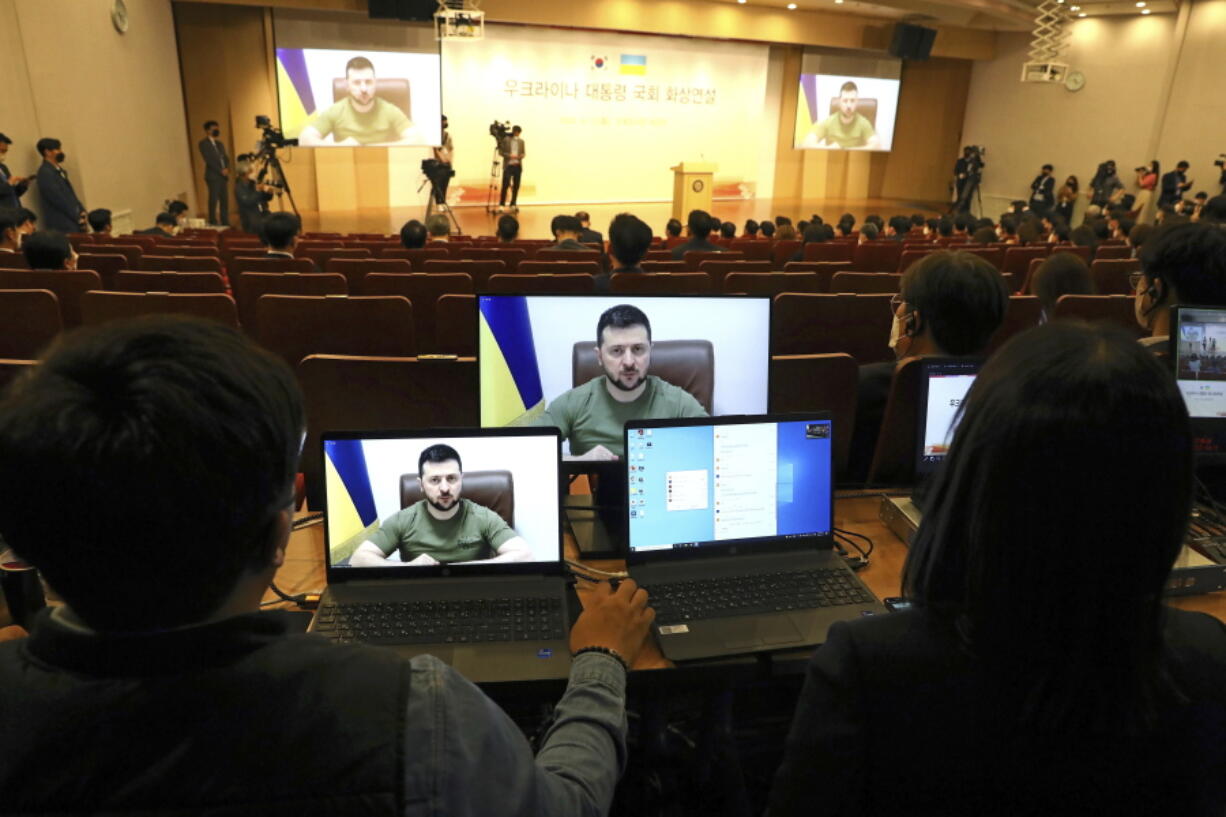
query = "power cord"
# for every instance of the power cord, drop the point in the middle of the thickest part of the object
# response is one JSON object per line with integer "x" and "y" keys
{"x": 307, "y": 601}
{"x": 848, "y": 538}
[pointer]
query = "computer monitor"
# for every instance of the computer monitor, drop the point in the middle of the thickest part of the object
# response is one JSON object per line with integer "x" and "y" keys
{"x": 1198, "y": 355}
{"x": 711, "y": 352}
{"x": 729, "y": 482}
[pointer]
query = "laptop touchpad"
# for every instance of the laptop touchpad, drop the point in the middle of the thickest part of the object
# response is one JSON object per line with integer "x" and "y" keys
{"x": 750, "y": 632}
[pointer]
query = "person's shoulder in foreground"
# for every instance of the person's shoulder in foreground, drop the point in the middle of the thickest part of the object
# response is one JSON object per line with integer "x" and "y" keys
{"x": 160, "y": 665}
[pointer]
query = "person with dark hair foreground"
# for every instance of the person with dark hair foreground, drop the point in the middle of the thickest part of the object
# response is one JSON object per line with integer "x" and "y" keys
{"x": 413, "y": 235}
{"x": 699, "y": 227}
{"x": 949, "y": 304}
{"x": 161, "y": 686}
{"x": 629, "y": 241}
{"x": 1039, "y": 666}
{"x": 592, "y": 416}
{"x": 1062, "y": 273}
{"x": 508, "y": 229}
{"x": 47, "y": 249}
{"x": 1180, "y": 264}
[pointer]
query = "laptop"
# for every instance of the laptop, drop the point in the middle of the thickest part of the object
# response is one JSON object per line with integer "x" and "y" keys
{"x": 494, "y": 603}
{"x": 731, "y": 529}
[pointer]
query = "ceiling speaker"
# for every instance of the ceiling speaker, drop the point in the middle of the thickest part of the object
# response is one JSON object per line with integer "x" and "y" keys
{"x": 408, "y": 10}
{"x": 912, "y": 42}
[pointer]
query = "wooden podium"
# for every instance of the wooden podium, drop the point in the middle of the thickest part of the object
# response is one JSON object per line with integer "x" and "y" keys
{"x": 693, "y": 184}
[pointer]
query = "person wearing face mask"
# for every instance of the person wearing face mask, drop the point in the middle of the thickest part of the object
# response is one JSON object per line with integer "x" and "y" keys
{"x": 62, "y": 210}
{"x": 12, "y": 188}
{"x": 216, "y": 174}
{"x": 949, "y": 305}
{"x": 1180, "y": 264}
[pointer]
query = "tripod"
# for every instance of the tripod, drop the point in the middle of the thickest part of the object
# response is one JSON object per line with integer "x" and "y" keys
{"x": 437, "y": 204}
{"x": 970, "y": 189}
{"x": 272, "y": 174}
{"x": 494, "y": 192}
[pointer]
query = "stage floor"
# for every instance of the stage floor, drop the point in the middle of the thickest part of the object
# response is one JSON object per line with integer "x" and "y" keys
{"x": 534, "y": 219}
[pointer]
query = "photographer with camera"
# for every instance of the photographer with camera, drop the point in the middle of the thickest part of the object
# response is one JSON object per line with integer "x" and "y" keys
{"x": 511, "y": 148}
{"x": 439, "y": 171}
{"x": 252, "y": 197}
{"x": 1147, "y": 182}
{"x": 1173, "y": 185}
{"x": 968, "y": 171}
{"x": 1106, "y": 186}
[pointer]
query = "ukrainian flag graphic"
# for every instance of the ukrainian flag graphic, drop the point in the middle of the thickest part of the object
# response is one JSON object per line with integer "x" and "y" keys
{"x": 296, "y": 101}
{"x": 634, "y": 64}
{"x": 511, "y": 392}
{"x": 351, "y": 503}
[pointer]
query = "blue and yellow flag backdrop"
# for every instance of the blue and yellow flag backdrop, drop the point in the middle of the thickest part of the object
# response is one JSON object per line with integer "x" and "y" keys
{"x": 511, "y": 392}
{"x": 352, "y": 517}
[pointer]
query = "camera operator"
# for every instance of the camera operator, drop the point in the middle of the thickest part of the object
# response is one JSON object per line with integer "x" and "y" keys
{"x": 512, "y": 150}
{"x": 968, "y": 170}
{"x": 1173, "y": 185}
{"x": 441, "y": 171}
{"x": 252, "y": 198}
{"x": 1043, "y": 191}
{"x": 1220, "y": 164}
{"x": 1106, "y": 186}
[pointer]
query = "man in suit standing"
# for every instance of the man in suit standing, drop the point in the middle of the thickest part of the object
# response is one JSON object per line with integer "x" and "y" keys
{"x": 216, "y": 173}
{"x": 11, "y": 187}
{"x": 1042, "y": 191}
{"x": 1174, "y": 184}
{"x": 62, "y": 210}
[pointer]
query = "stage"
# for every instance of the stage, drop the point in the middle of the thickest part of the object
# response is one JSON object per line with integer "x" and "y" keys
{"x": 534, "y": 219}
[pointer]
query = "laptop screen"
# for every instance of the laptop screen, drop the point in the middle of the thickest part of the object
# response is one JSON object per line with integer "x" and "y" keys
{"x": 414, "y": 501}
{"x": 943, "y": 386}
{"x": 1198, "y": 347}
{"x": 695, "y": 484}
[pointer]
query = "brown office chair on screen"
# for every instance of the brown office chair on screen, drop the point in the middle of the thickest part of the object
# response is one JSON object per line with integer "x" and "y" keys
{"x": 393, "y": 90}
{"x": 491, "y": 489}
{"x": 688, "y": 364}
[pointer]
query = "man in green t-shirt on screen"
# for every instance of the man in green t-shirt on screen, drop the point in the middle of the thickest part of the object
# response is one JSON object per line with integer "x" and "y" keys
{"x": 844, "y": 128}
{"x": 442, "y": 528}
{"x": 362, "y": 118}
{"x": 591, "y": 416}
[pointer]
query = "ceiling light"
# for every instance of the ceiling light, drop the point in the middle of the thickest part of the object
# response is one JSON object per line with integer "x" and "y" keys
{"x": 1074, "y": 8}
{"x": 838, "y": 2}
{"x": 1083, "y": 14}
{"x": 1145, "y": 11}
{"x": 1140, "y": 4}
{"x": 791, "y": 6}
{"x": 742, "y": 2}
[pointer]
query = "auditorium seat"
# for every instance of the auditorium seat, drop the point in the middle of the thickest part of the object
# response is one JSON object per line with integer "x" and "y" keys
{"x": 820, "y": 323}
{"x": 828, "y": 251}
{"x": 13, "y": 260}
{"x": 660, "y": 255}
{"x": 718, "y": 268}
{"x": 805, "y": 383}
{"x": 753, "y": 249}
{"x": 322, "y": 257}
{"x": 910, "y": 255}
{"x": 423, "y": 291}
{"x": 511, "y": 256}
{"x": 663, "y": 266}
{"x": 360, "y": 393}
{"x": 479, "y": 271}
{"x": 894, "y": 456}
{"x": 1017, "y": 260}
{"x": 178, "y": 263}
{"x": 877, "y": 256}
{"x": 1117, "y": 309}
{"x": 355, "y": 269}
{"x": 560, "y": 267}
{"x": 186, "y": 250}
{"x": 131, "y": 254}
{"x": 107, "y": 266}
{"x": 305, "y": 245}
{"x": 865, "y": 282}
{"x": 782, "y": 251}
{"x": 68, "y": 286}
{"x": 269, "y": 263}
{"x": 453, "y": 247}
{"x": 168, "y": 282}
{"x": 11, "y": 369}
{"x": 693, "y": 258}
{"x": 318, "y": 236}
{"x": 29, "y": 320}
{"x": 1084, "y": 252}
{"x": 773, "y": 283}
{"x": 294, "y": 326}
{"x": 1112, "y": 252}
{"x": 100, "y": 307}
{"x": 541, "y": 283}
{"x": 993, "y": 255}
{"x": 551, "y": 254}
{"x": 1111, "y": 275}
{"x": 417, "y": 257}
{"x": 663, "y": 283}
{"x": 374, "y": 247}
{"x": 251, "y": 286}
{"x": 455, "y": 328}
{"x": 824, "y": 269}
{"x": 183, "y": 243}
{"x": 142, "y": 242}
{"x": 1022, "y": 313}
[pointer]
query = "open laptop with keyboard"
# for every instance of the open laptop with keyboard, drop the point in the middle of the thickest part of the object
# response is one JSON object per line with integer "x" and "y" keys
{"x": 731, "y": 530}
{"x": 448, "y": 542}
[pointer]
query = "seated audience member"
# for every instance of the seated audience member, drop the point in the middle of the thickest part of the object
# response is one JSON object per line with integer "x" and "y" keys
{"x": 945, "y": 227}
{"x": 917, "y": 223}
{"x": 898, "y": 228}
{"x": 1084, "y": 236}
{"x": 251, "y": 195}
{"x": 1059, "y": 232}
{"x": 727, "y": 230}
{"x": 699, "y": 227}
{"x": 164, "y": 226}
{"x": 786, "y": 233}
{"x": 280, "y": 233}
{"x": 876, "y": 220}
{"x": 751, "y": 229}
{"x": 1092, "y": 212}
{"x": 768, "y": 229}
{"x": 1180, "y": 264}
{"x": 629, "y": 241}
{"x": 801, "y": 226}
{"x": 1123, "y": 227}
{"x": 1198, "y": 205}
{"x": 716, "y": 225}
{"x": 586, "y": 234}
{"x": 672, "y": 230}
{"x": 814, "y": 234}
{"x": 1102, "y": 231}
{"x": 178, "y": 209}
{"x": 28, "y": 221}
{"x": 99, "y": 221}
{"x": 47, "y": 249}
{"x": 964, "y": 224}
{"x": 1138, "y": 235}
{"x": 413, "y": 235}
{"x": 439, "y": 228}
{"x": 868, "y": 232}
{"x": 931, "y": 227}
{"x": 1028, "y": 232}
{"x": 949, "y": 304}
{"x": 1215, "y": 211}
{"x": 1064, "y": 273}
{"x": 566, "y": 230}
{"x": 10, "y": 232}
{"x": 508, "y": 229}
{"x": 782, "y": 220}
{"x": 984, "y": 222}
{"x": 846, "y": 225}
{"x": 163, "y": 408}
{"x": 1023, "y": 665}
{"x": 1008, "y": 229}
{"x": 984, "y": 235}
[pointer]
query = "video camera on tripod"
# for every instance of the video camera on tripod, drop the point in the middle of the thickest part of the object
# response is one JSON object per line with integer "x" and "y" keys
{"x": 271, "y": 174}
{"x": 500, "y": 130}
{"x": 273, "y": 137}
{"x": 975, "y": 161}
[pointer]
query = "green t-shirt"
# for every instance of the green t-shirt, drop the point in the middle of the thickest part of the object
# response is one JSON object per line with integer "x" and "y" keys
{"x": 382, "y": 123}
{"x": 853, "y": 135}
{"x": 588, "y": 415}
{"x": 475, "y": 532}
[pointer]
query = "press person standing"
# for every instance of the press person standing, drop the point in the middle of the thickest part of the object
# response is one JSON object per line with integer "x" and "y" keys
{"x": 216, "y": 173}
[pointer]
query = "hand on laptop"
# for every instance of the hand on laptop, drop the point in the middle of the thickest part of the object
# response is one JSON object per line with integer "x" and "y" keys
{"x": 617, "y": 620}
{"x": 599, "y": 453}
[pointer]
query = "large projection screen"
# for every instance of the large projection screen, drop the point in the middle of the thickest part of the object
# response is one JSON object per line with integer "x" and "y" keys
{"x": 846, "y": 102}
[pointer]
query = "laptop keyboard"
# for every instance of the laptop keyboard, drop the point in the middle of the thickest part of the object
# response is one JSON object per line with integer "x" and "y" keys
{"x": 442, "y": 622}
{"x": 1215, "y": 551}
{"x": 678, "y": 602}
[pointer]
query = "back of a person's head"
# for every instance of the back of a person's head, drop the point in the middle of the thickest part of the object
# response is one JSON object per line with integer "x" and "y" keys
{"x": 847, "y": 223}
{"x": 508, "y": 228}
{"x": 868, "y": 231}
{"x": 143, "y": 465}
{"x": 751, "y": 227}
{"x": 438, "y": 225}
{"x": 1028, "y": 232}
{"x": 961, "y": 299}
{"x": 673, "y": 228}
{"x": 964, "y": 222}
{"x": 815, "y": 234}
{"x": 699, "y": 223}
{"x": 629, "y": 239}
{"x": 1215, "y": 210}
{"x": 918, "y": 219}
{"x": 1007, "y": 551}
{"x": 786, "y": 233}
{"x": 873, "y": 218}
{"x": 1063, "y": 273}
{"x": 767, "y": 228}
{"x": 716, "y": 224}
{"x": 1102, "y": 230}
{"x": 165, "y": 219}
{"x": 46, "y": 249}
{"x": 1139, "y": 234}
{"x": 984, "y": 235}
{"x": 1083, "y": 236}
{"x": 565, "y": 224}
{"x": 901, "y": 225}
{"x": 945, "y": 226}
{"x": 10, "y": 219}
{"x": 280, "y": 230}
{"x": 1191, "y": 258}
{"x": 413, "y": 235}
{"x": 727, "y": 230}
{"x": 1008, "y": 224}
{"x": 99, "y": 220}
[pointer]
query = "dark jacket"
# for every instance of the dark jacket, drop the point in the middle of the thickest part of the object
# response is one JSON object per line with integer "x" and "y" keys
{"x": 698, "y": 244}
{"x": 10, "y": 193}
{"x": 215, "y": 158}
{"x": 61, "y": 208}
{"x": 590, "y": 236}
{"x": 252, "y": 203}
